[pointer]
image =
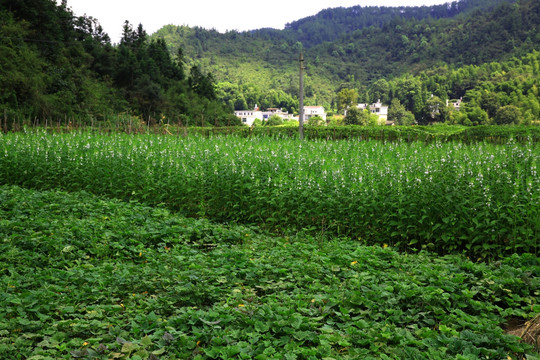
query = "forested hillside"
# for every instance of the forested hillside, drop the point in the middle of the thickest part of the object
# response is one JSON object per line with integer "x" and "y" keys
{"x": 365, "y": 49}
{"x": 330, "y": 24}
{"x": 54, "y": 65}
{"x": 492, "y": 93}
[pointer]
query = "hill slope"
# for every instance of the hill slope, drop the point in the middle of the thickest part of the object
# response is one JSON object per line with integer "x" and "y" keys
{"x": 330, "y": 24}
{"x": 344, "y": 51}
{"x": 54, "y": 65}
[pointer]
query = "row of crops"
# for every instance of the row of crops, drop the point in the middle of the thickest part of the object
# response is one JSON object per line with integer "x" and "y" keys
{"x": 424, "y": 133}
{"x": 480, "y": 199}
{"x": 86, "y": 277}
{"x": 430, "y": 133}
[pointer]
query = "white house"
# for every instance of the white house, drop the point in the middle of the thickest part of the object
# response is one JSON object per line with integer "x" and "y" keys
{"x": 455, "y": 103}
{"x": 275, "y": 111}
{"x": 249, "y": 116}
{"x": 376, "y": 108}
{"x": 311, "y": 111}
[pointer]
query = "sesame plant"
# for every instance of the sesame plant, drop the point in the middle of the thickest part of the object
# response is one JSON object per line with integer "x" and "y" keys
{"x": 87, "y": 277}
{"x": 480, "y": 199}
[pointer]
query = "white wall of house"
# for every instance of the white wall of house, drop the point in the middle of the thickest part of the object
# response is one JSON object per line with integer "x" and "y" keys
{"x": 311, "y": 111}
{"x": 275, "y": 111}
{"x": 248, "y": 116}
{"x": 376, "y": 108}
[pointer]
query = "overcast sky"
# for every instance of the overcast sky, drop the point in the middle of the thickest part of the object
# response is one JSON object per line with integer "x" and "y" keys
{"x": 221, "y": 15}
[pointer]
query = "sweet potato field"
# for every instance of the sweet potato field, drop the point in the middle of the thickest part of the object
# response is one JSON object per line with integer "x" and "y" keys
{"x": 163, "y": 247}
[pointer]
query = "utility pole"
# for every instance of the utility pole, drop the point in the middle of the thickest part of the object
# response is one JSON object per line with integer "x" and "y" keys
{"x": 301, "y": 97}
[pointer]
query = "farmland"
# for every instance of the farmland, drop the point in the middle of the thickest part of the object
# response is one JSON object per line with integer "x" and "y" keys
{"x": 151, "y": 246}
{"x": 480, "y": 198}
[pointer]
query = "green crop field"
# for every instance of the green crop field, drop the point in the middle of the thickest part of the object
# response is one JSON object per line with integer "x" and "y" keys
{"x": 87, "y": 277}
{"x": 167, "y": 247}
{"x": 481, "y": 199}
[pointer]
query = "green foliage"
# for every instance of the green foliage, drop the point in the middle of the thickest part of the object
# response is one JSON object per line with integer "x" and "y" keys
{"x": 92, "y": 278}
{"x": 56, "y": 65}
{"x": 203, "y": 85}
{"x": 291, "y": 124}
{"x": 435, "y": 111}
{"x": 444, "y": 53}
{"x": 375, "y": 120}
{"x": 399, "y": 115}
{"x": 346, "y": 98}
{"x": 336, "y": 120}
{"x": 446, "y": 197}
{"x": 67, "y": 68}
{"x": 274, "y": 120}
{"x": 483, "y": 89}
{"x": 379, "y": 91}
{"x": 331, "y": 24}
{"x": 21, "y": 70}
{"x": 508, "y": 114}
{"x": 472, "y": 115}
{"x": 42, "y": 76}
{"x": 316, "y": 121}
{"x": 356, "y": 116}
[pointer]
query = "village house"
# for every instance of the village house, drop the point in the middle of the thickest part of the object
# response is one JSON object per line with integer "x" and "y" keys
{"x": 249, "y": 116}
{"x": 276, "y": 111}
{"x": 456, "y": 103}
{"x": 376, "y": 108}
{"x": 311, "y": 111}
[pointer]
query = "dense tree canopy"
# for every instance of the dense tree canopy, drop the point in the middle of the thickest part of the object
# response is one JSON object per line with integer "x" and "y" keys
{"x": 399, "y": 115}
{"x": 56, "y": 65}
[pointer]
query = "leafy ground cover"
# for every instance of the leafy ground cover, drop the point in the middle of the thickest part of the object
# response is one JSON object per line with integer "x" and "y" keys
{"x": 92, "y": 278}
{"x": 452, "y": 197}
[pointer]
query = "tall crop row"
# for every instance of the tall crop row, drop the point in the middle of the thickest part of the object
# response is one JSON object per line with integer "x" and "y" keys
{"x": 479, "y": 198}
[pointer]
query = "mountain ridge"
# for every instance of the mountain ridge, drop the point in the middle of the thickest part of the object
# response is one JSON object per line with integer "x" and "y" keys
{"x": 358, "y": 17}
